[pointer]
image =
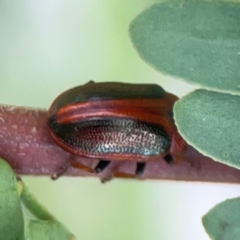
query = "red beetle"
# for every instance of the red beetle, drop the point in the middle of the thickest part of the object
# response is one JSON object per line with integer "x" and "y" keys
{"x": 112, "y": 121}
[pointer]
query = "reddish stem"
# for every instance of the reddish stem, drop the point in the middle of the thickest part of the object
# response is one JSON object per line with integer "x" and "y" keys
{"x": 27, "y": 146}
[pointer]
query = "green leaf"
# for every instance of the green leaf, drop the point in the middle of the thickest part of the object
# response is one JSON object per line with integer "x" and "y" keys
{"x": 11, "y": 216}
{"x": 46, "y": 227}
{"x": 33, "y": 205}
{"x": 198, "y": 41}
{"x": 210, "y": 121}
{"x": 223, "y": 221}
{"x": 47, "y": 230}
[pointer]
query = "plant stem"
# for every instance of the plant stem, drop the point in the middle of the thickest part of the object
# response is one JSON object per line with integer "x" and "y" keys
{"x": 26, "y": 145}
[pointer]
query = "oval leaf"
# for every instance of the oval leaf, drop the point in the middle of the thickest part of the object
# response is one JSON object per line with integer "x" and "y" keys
{"x": 198, "y": 41}
{"x": 222, "y": 222}
{"x": 11, "y": 216}
{"x": 232, "y": 233}
{"x": 210, "y": 121}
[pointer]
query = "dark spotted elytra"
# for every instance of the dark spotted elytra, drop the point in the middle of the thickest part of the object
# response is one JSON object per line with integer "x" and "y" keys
{"x": 112, "y": 121}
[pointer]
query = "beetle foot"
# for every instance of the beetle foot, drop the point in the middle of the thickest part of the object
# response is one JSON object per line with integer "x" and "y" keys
{"x": 60, "y": 171}
{"x": 106, "y": 177}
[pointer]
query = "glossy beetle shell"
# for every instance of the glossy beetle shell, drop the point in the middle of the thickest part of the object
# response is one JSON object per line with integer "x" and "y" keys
{"x": 115, "y": 121}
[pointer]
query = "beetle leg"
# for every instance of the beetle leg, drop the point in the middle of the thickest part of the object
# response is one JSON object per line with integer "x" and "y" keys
{"x": 169, "y": 159}
{"x": 61, "y": 171}
{"x": 81, "y": 166}
{"x": 72, "y": 163}
{"x": 140, "y": 168}
{"x": 113, "y": 172}
{"x": 101, "y": 166}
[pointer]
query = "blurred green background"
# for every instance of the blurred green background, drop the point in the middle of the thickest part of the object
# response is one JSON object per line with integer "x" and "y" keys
{"x": 47, "y": 47}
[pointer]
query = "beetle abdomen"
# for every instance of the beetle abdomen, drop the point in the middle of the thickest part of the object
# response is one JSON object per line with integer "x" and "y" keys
{"x": 112, "y": 137}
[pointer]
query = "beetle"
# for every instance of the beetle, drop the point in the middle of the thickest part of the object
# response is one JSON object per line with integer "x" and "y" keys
{"x": 113, "y": 121}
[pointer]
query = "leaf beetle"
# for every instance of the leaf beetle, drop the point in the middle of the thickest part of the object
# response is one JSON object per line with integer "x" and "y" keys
{"x": 113, "y": 121}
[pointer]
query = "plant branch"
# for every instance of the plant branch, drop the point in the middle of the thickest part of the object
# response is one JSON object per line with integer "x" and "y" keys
{"x": 26, "y": 145}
